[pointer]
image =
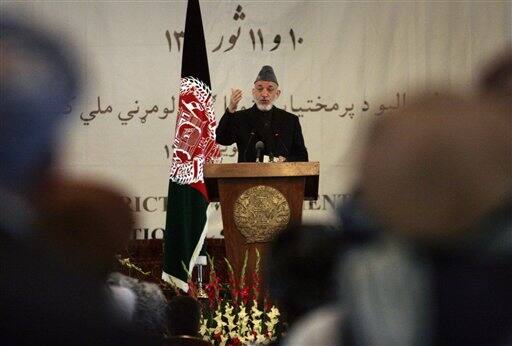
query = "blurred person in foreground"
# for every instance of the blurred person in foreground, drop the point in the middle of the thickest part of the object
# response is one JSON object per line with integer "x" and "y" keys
{"x": 88, "y": 223}
{"x": 436, "y": 177}
{"x": 299, "y": 270}
{"x": 184, "y": 316}
{"x": 148, "y": 309}
{"x": 496, "y": 78}
{"x": 45, "y": 296}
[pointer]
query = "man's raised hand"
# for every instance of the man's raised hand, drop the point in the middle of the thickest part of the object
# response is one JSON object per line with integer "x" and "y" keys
{"x": 236, "y": 96}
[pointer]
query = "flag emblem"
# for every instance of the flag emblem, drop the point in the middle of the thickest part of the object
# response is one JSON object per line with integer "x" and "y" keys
{"x": 194, "y": 142}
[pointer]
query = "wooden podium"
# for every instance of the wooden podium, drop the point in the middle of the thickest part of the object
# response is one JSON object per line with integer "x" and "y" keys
{"x": 258, "y": 200}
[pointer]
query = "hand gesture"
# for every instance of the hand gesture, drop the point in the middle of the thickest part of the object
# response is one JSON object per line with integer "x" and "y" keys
{"x": 236, "y": 96}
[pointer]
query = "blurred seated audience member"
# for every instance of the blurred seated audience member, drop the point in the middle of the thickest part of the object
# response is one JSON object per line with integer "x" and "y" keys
{"x": 90, "y": 224}
{"x": 321, "y": 325}
{"x": 497, "y": 76}
{"x": 86, "y": 222}
{"x": 147, "y": 307}
{"x": 45, "y": 297}
{"x": 357, "y": 226}
{"x": 183, "y": 316}
{"x": 298, "y": 269}
{"x": 452, "y": 169}
{"x": 38, "y": 77}
{"x": 437, "y": 177}
{"x": 124, "y": 301}
{"x": 496, "y": 82}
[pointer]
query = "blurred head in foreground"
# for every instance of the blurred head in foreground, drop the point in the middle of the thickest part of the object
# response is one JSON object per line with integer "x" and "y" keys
{"x": 38, "y": 77}
{"x": 86, "y": 221}
{"x": 434, "y": 169}
{"x": 299, "y": 269}
{"x": 183, "y": 314}
{"x": 496, "y": 78}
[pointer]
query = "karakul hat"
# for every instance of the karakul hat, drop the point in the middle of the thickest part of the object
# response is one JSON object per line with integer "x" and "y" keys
{"x": 266, "y": 74}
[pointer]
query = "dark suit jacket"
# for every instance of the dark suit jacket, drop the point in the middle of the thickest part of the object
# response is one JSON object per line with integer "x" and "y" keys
{"x": 279, "y": 130}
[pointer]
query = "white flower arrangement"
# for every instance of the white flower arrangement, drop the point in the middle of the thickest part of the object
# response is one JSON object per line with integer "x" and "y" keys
{"x": 236, "y": 318}
{"x": 231, "y": 325}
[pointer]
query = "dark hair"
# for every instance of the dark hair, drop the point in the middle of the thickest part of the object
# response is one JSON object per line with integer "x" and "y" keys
{"x": 299, "y": 269}
{"x": 183, "y": 316}
{"x": 497, "y": 77}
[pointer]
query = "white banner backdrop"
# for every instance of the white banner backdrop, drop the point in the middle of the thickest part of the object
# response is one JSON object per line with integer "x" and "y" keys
{"x": 339, "y": 65}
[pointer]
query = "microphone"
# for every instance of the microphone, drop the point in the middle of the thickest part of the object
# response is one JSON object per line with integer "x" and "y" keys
{"x": 259, "y": 151}
{"x": 276, "y": 135}
{"x": 247, "y": 146}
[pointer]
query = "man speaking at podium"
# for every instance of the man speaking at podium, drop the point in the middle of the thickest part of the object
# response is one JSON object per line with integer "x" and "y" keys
{"x": 262, "y": 129}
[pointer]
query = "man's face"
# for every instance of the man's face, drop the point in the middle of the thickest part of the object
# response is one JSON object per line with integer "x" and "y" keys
{"x": 264, "y": 94}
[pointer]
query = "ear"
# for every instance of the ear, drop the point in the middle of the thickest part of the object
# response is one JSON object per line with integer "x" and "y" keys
{"x": 278, "y": 92}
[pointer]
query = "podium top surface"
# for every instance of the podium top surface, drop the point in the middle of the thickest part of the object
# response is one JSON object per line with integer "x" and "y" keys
{"x": 249, "y": 170}
{"x": 253, "y": 169}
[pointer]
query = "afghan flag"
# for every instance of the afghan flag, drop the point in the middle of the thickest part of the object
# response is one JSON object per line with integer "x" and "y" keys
{"x": 194, "y": 145}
